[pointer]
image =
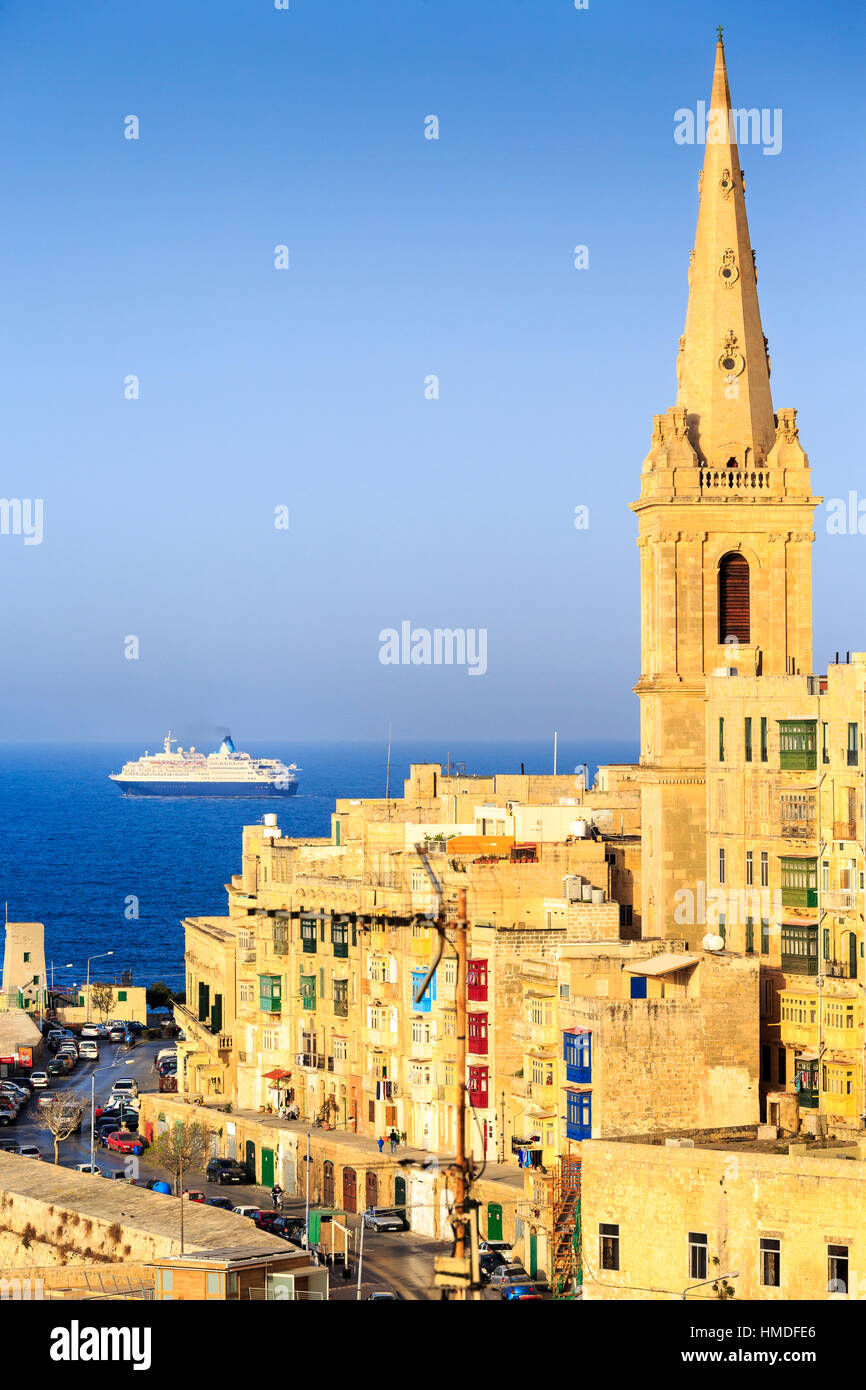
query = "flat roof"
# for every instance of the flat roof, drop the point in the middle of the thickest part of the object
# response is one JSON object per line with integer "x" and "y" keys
{"x": 664, "y": 964}
{"x": 211, "y": 1231}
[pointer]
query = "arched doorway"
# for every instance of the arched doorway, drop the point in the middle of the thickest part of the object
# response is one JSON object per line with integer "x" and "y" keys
{"x": 371, "y": 1190}
{"x": 328, "y": 1183}
{"x": 350, "y": 1189}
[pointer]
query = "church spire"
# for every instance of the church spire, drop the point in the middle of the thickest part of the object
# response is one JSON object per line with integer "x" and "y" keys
{"x": 723, "y": 368}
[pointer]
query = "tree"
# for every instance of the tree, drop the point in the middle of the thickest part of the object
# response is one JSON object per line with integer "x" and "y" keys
{"x": 102, "y": 998}
{"x": 61, "y": 1115}
{"x": 183, "y": 1146}
{"x": 159, "y": 996}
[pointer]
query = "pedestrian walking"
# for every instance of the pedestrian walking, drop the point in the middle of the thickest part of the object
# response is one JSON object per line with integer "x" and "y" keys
{"x": 393, "y": 1140}
{"x": 381, "y": 1143}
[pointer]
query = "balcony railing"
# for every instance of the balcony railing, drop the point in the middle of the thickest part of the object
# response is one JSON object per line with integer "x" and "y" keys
{"x": 838, "y": 899}
{"x": 314, "y": 1061}
{"x": 844, "y": 830}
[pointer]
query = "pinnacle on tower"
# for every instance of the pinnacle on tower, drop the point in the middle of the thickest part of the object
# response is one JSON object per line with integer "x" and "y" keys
{"x": 723, "y": 369}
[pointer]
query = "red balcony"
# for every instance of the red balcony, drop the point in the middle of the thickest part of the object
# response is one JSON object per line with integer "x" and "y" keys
{"x": 476, "y": 981}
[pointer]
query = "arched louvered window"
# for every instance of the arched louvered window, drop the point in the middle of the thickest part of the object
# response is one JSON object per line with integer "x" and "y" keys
{"x": 734, "y": 618}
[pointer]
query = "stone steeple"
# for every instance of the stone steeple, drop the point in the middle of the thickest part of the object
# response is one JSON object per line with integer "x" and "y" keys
{"x": 723, "y": 368}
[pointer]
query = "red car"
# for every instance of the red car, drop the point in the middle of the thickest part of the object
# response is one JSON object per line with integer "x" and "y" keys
{"x": 265, "y": 1219}
{"x": 194, "y": 1195}
{"x": 125, "y": 1143}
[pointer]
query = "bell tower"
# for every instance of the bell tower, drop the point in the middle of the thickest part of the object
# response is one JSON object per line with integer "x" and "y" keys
{"x": 725, "y": 519}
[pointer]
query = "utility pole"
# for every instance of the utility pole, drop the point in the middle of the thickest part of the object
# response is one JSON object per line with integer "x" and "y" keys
{"x": 92, "y": 1117}
{"x": 360, "y": 1260}
{"x": 180, "y": 1181}
{"x": 307, "y": 1211}
{"x": 461, "y": 1194}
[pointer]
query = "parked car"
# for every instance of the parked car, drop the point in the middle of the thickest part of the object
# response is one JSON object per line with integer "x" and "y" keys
{"x": 502, "y": 1248}
{"x": 519, "y": 1289}
{"x": 288, "y": 1228}
{"x": 225, "y": 1203}
{"x": 503, "y": 1273}
{"x": 39, "y": 1078}
{"x": 25, "y": 1081}
{"x": 115, "y": 1035}
{"x": 90, "y": 1030}
{"x": 383, "y": 1295}
{"x": 223, "y": 1170}
{"x": 265, "y": 1219}
{"x": 127, "y": 1087}
{"x": 114, "y": 1174}
{"x": 378, "y": 1219}
{"x": 89, "y": 1052}
{"x": 8, "y": 1147}
{"x": 56, "y": 1069}
{"x": 30, "y": 1151}
{"x": 195, "y": 1196}
{"x": 251, "y": 1212}
{"x": 88, "y": 1168}
{"x": 122, "y": 1142}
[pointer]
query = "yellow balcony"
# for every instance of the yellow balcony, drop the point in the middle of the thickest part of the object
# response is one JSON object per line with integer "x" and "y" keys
{"x": 799, "y": 1034}
{"x": 420, "y": 946}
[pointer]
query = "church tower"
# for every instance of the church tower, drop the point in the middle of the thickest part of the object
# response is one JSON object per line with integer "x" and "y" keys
{"x": 725, "y": 519}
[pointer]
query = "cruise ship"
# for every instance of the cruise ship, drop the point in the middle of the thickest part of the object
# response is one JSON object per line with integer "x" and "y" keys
{"x": 182, "y": 772}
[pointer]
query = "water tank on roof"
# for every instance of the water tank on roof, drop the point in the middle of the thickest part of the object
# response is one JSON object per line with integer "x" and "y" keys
{"x": 578, "y": 829}
{"x": 598, "y": 895}
{"x": 711, "y": 942}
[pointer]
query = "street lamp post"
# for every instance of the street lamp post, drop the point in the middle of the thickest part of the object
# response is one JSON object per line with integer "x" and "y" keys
{"x": 98, "y": 956}
{"x": 63, "y": 967}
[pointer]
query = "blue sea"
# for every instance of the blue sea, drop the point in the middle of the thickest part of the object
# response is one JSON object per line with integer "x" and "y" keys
{"x": 74, "y": 852}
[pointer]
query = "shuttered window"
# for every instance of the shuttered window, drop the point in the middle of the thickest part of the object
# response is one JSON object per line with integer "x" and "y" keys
{"x": 734, "y": 599}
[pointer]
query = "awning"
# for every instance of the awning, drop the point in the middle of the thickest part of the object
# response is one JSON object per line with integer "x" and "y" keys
{"x": 665, "y": 964}
{"x": 276, "y": 1075}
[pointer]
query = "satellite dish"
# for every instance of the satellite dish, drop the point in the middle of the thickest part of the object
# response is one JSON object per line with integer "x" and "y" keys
{"x": 713, "y": 943}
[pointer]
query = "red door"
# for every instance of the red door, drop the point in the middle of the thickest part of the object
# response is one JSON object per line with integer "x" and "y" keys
{"x": 372, "y": 1190}
{"x": 350, "y": 1189}
{"x": 328, "y": 1183}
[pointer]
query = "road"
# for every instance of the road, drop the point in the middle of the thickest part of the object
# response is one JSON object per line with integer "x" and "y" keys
{"x": 400, "y": 1261}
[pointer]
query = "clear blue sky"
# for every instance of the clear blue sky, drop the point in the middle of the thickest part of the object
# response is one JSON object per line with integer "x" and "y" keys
{"x": 306, "y": 387}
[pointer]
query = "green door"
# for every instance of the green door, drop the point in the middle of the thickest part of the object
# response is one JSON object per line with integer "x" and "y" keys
{"x": 494, "y": 1221}
{"x": 852, "y": 957}
{"x": 533, "y": 1254}
{"x": 250, "y": 1160}
{"x": 267, "y": 1167}
{"x": 399, "y": 1192}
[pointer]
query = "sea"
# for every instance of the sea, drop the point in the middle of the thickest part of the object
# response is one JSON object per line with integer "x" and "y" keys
{"x": 104, "y": 872}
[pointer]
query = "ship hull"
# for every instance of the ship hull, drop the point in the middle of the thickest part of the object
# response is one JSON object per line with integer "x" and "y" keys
{"x": 247, "y": 790}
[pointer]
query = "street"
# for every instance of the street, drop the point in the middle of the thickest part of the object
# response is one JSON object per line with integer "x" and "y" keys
{"x": 400, "y": 1261}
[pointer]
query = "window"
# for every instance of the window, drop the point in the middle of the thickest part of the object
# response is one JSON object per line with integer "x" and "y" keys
{"x": 26, "y": 957}
{"x": 697, "y": 1255}
{"x": 765, "y": 936}
{"x": 766, "y": 1074}
{"x": 765, "y": 869}
{"x": 477, "y": 1033}
{"x": 783, "y": 1065}
{"x": 608, "y": 1246}
{"x": 121, "y": 996}
{"x": 450, "y": 967}
{"x": 750, "y": 936}
{"x": 478, "y": 1087}
{"x": 270, "y": 992}
{"x": 825, "y": 877}
{"x": 577, "y": 1055}
{"x": 826, "y": 943}
{"x": 578, "y": 1115}
{"x": 799, "y": 882}
{"x": 425, "y": 1004}
{"x": 721, "y": 740}
{"x": 720, "y": 797}
{"x": 763, "y": 739}
{"x": 721, "y": 866}
{"x": 799, "y": 949}
{"x": 309, "y": 935}
{"x": 797, "y": 806}
{"x": 476, "y": 979}
{"x": 797, "y": 738}
{"x": 734, "y": 622}
{"x": 750, "y": 869}
{"x": 748, "y": 732}
{"x": 837, "y": 1268}
{"x": 308, "y": 992}
{"x": 626, "y": 917}
{"x": 341, "y": 998}
{"x": 340, "y": 939}
{"x": 825, "y": 743}
{"x": 853, "y": 741}
{"x": 771, "y": 1275}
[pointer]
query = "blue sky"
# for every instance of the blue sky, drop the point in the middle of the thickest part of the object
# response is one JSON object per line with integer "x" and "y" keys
{"x": 305, "y": 388}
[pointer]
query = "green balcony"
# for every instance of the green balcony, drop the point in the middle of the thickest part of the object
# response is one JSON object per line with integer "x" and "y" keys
{"x": 798, "y": 745}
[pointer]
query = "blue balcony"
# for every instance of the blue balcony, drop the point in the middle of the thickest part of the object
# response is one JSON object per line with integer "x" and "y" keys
{"x": 577, "y": 1055}
{"x": 578, "y": 1119}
